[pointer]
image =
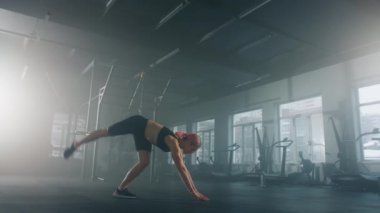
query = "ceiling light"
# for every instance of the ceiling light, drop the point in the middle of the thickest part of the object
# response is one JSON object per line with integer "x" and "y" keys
{"x": 166, "y": 57}
{"x": 256, "y": 42}
{"x": 88, "y": 67}
{"x": 214, "y": 31}
{"x": 109, "y": 4}
{"x": 259, "y": 78}
{"x": 253, "y": 9}
{"x": 172, "y": 13}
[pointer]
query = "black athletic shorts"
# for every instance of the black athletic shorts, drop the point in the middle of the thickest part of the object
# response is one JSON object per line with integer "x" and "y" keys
{"x": 134, "y": 125}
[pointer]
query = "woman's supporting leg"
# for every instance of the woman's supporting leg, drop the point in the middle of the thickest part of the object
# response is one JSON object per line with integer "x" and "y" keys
{"x": 144, "y": 158}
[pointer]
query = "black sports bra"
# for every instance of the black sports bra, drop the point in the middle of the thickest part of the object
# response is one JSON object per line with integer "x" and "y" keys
{"x": 161, "y": 138}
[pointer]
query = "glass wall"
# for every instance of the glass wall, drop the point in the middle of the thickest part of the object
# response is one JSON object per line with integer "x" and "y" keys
{"x": 369, "y": 110}
{"x": 245, "y": 136}
{"x": 302, "y": 122}
{"x": 64, "y": 130}
{"x": 206, "y": 130}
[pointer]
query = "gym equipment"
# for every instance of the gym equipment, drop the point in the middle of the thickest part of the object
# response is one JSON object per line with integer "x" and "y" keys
{"x": 343, "y": 156}
{"x": 264, "y": 162}
{"x": 230, "y": 149}
{"x": 307, "y": 165}
{"x": 211, "y": 171}
{"x": 101, "y": 91}
{"x": 302, "y": 177}
{"x": 264, "y": 173}
{"x": 305, "y": 176}
{"x": 283, "y": 145}
{"x": 140, "y": 82}
{"x": 157, "y": 100}
{"x": 342, "y": 176}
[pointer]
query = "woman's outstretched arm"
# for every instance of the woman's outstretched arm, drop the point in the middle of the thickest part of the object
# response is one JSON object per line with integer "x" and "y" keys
{"x": 183, "y": 171}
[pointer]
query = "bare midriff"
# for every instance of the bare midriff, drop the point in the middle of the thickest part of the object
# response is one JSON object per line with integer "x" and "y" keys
{"x": 152, "y": 130}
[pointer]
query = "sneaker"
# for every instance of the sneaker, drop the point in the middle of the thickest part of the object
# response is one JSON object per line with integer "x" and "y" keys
{"x": 123, "y": 194}
{"x": 69, "y": 151}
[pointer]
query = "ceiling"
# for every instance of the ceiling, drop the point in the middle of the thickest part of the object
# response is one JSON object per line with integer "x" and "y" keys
{"x": 207, "y": 48}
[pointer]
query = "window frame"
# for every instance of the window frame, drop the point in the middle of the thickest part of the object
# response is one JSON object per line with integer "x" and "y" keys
{"x": 292, "y": 118}
{"x": 68, "y": 134}
{"x": 211, "y": 143}
{"x": 254, "y": 135}
{"x": 357, "y": 118}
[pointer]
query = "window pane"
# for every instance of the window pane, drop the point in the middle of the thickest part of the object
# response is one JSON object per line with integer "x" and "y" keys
{"x": 259, "y": 127}
{"x": 248, "y": 148}
{"x": 206, "y": 147}
{"x": 306, "y": 106}
{"x": 369, "y": 94}
{"x": 370, "y": 119}
{"x": 205, "y": 129}
{"x": 179, "y": 128}
{"x": 238, "y": 139}
{"x": 59, "y": 133}
{"x": 212, "y": 144}
{"x": 205, "y": 125}
{"x": 243, "y": 135}
{"x": 248, "y": 117}
{"x": 302, "y": 136}
{"x": 286, "y": 128}
{"x": 78, "y": 125}
{"x": 286, "y": 131}
{"x": 317, "y": 139}
{"x": 302, "y": 122}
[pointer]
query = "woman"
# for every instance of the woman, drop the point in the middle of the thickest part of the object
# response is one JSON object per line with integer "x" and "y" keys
{"x": 147, "y": 132}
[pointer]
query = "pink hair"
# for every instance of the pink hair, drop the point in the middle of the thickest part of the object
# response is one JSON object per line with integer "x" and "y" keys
{"x": 189, "y": 136}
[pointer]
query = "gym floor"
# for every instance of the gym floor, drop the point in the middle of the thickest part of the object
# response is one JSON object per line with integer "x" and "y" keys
{"x": 22, "y": 194}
